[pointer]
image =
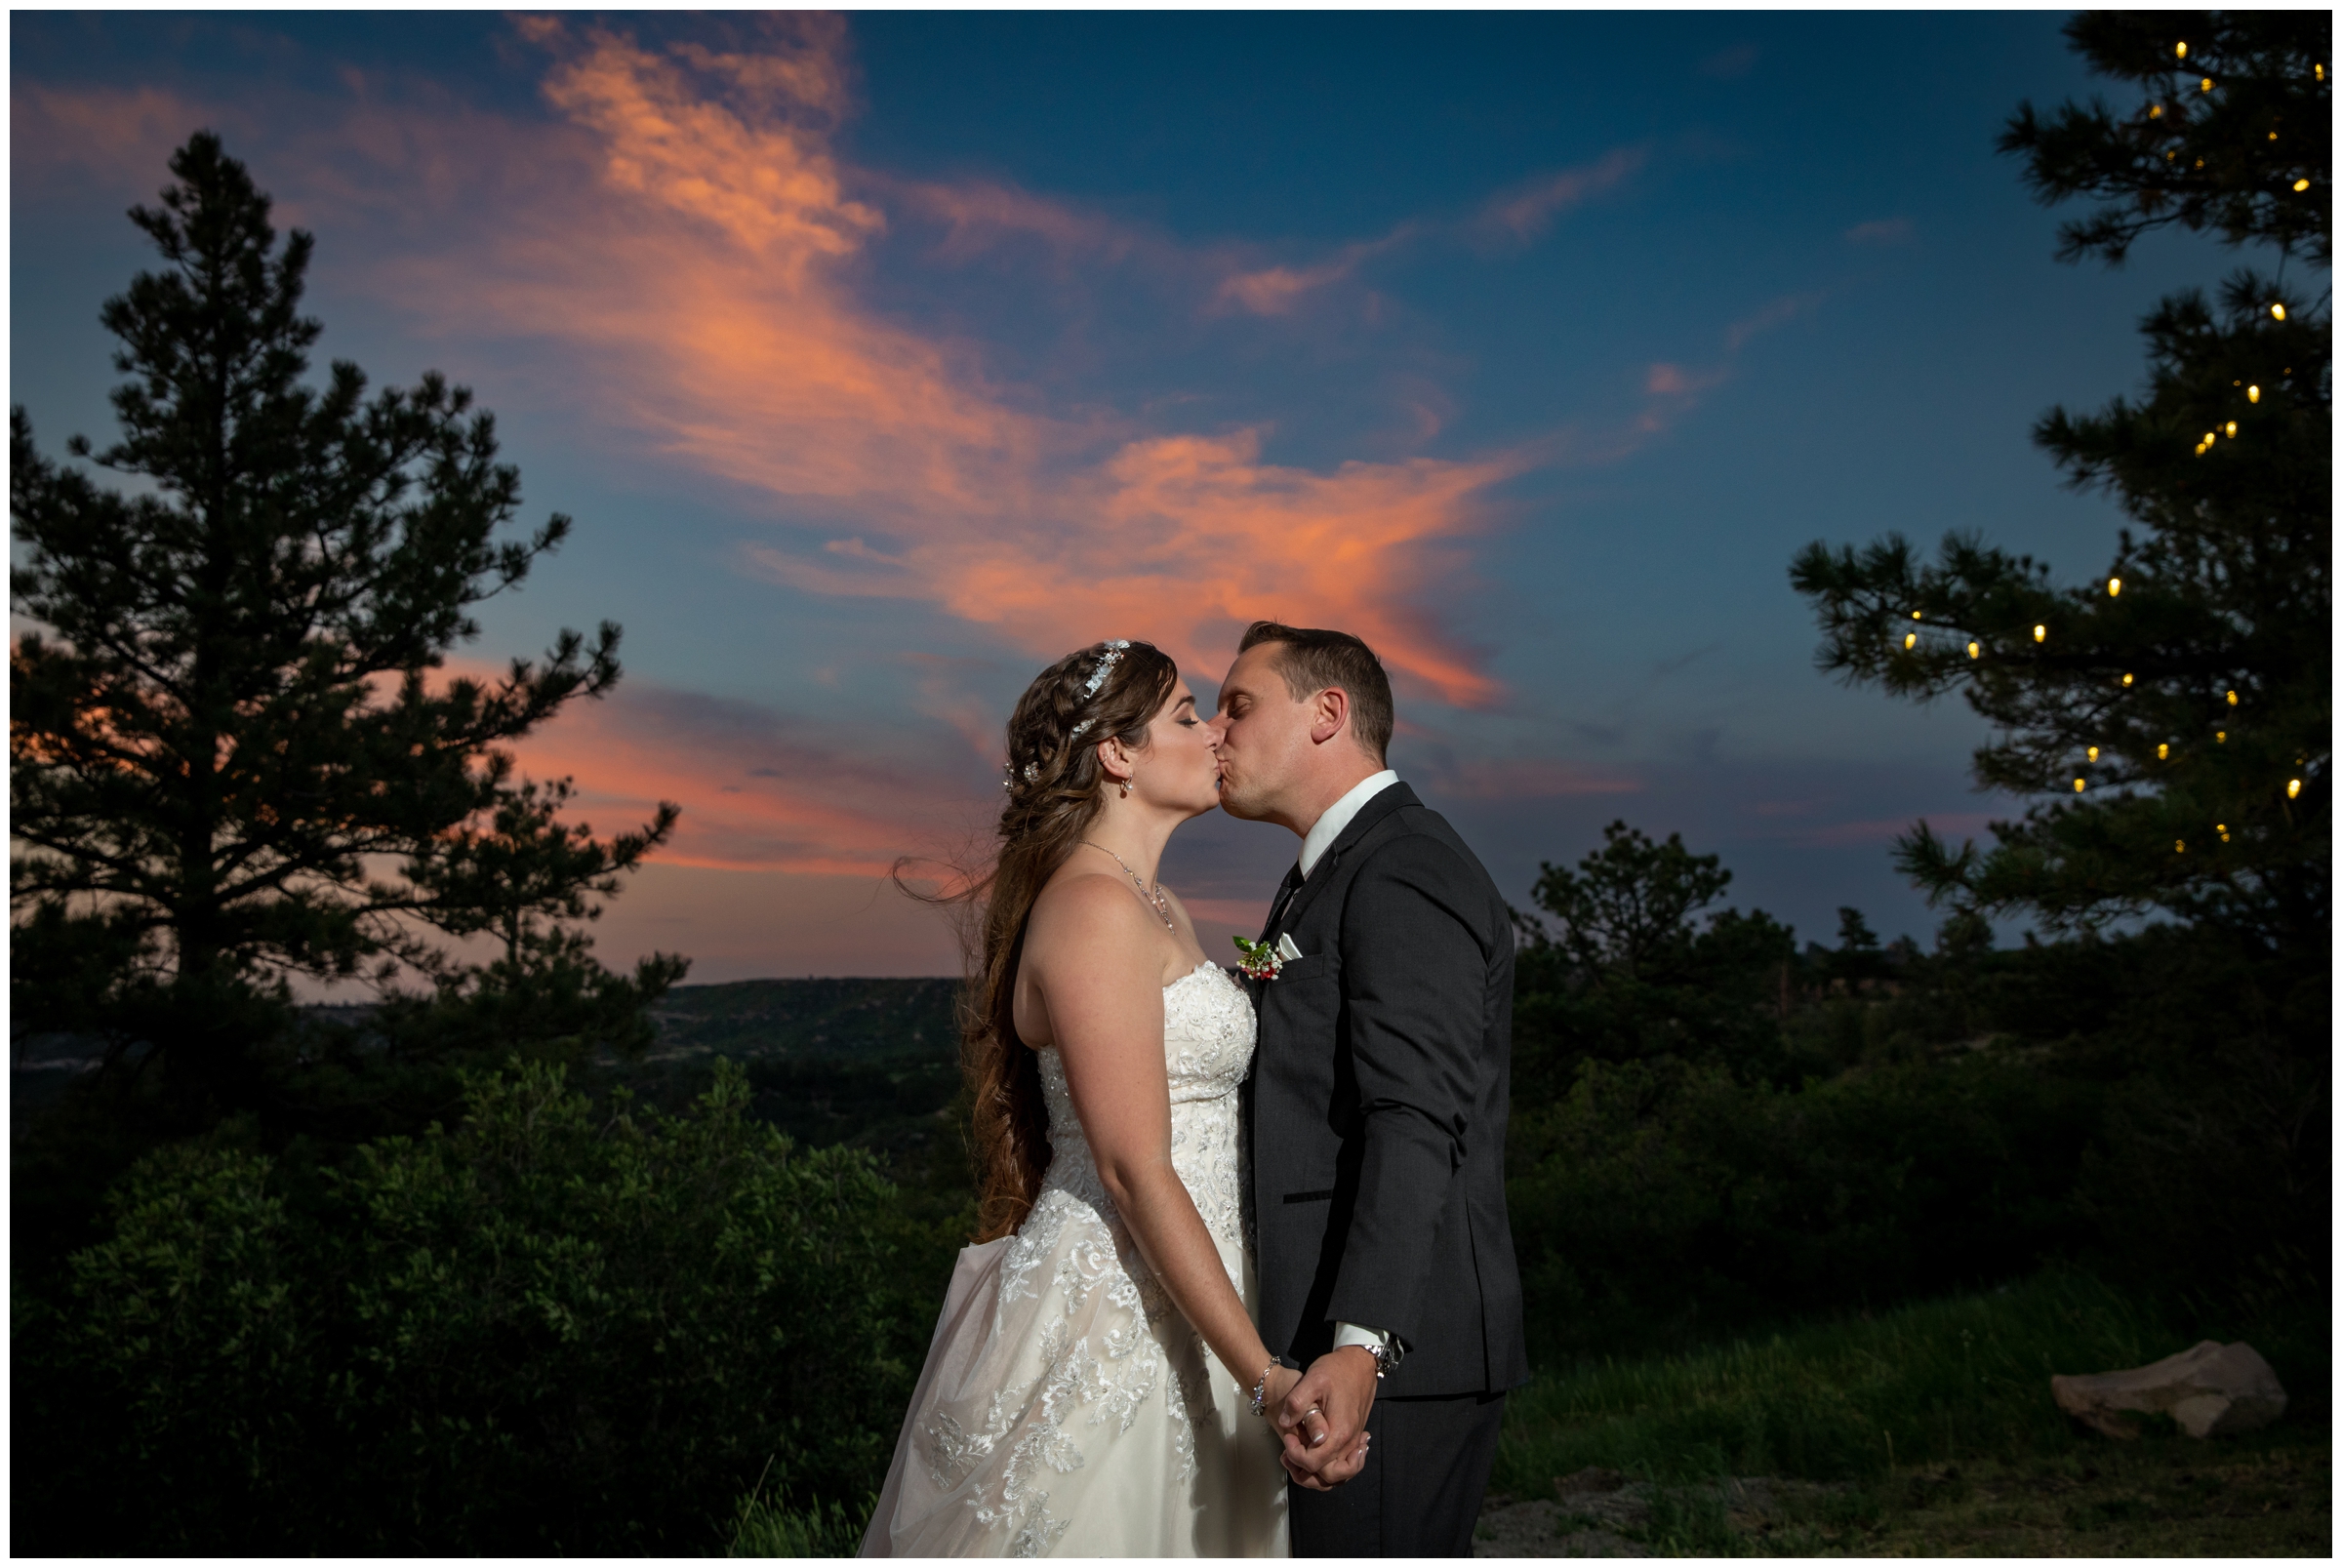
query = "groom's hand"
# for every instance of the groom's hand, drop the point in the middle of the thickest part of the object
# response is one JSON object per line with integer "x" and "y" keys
{"x": 1340, "y": 1385}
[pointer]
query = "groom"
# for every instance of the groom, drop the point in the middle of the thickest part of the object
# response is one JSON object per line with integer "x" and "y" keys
{"x": 1377, "y": 1108}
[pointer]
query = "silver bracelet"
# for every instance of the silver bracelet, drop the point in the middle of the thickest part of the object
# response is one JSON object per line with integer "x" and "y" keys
{"x": 1260, "y": 1390}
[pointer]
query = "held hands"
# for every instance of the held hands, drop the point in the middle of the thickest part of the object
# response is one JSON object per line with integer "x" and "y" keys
{"x": 1322, "y": 1419}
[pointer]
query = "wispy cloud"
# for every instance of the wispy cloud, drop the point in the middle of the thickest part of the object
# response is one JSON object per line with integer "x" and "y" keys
{"x": 1881, "y": 232}
{"x": 1522, "y": 214}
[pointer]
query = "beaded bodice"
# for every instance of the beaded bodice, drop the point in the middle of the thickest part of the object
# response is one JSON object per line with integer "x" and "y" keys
{"x": 1207, "y": 1048}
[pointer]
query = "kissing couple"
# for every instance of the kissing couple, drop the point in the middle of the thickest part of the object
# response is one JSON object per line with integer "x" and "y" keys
{"x": 1243, "y": 1284}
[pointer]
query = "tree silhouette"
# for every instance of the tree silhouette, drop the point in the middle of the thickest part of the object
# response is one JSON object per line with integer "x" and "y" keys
{"x": 232, "y": 760}
{"x": 2170, "y": 718}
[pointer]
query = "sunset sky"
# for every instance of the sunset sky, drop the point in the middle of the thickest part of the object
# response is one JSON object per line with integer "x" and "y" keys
{"x": 883, "y": 359}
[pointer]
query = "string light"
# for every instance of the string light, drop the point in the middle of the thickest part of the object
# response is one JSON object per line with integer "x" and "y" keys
{"x": 2207, "y": 87}
{"x": 1910, "y": 639}
{"x": 2127, "y": 680}
{"x": 2277, "y": 310}
{"x": 2292, "y": 788}
{"x": 2210, "y": 436}
{"x": 2041, "y": 634}
{"x": 2232, "y": 429}
{"x": 2320, "y": 71}
{"x": 2155, "y": 111}
{"x": 2114, "y": 587}
{"x": 2252, "y": 394}
{"x": 2183, "y": 49}
{"x": 2220, "y": 735}
{"x": 2093, "y": 753}
{"x": 2162, "y": 753}
{"x": 2223, "y": 827}
{"x": 2179, "y": 846}
{"x": 2301, "y": 185}
{"x": 2231, "y": 698}
{"x": 2077, "y": 786}
{"x": 1975, "y": 649}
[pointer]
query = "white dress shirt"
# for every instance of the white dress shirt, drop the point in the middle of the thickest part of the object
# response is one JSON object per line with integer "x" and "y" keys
{"x": 1314, "y": 845}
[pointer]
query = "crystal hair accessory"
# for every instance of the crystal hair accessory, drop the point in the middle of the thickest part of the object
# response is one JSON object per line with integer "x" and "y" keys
{"x": 1106, "y": 666}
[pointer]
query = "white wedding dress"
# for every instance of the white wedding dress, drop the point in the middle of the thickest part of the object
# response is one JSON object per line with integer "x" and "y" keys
{"x": 1067, "y": 1407}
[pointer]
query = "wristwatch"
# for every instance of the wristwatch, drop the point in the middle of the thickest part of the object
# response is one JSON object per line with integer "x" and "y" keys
{"x": 1385, "y": 1353}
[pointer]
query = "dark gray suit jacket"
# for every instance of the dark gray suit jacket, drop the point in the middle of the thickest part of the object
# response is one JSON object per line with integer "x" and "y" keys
{"x": 1377, "y": 1108}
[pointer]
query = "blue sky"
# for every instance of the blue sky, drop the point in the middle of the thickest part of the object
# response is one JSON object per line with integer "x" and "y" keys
{"x": 883, "y": 359}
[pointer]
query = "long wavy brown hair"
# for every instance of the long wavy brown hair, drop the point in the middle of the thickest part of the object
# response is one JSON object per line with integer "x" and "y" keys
{"x": 1055, "y": 788}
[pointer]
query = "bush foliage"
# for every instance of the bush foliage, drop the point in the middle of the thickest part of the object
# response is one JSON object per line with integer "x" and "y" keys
{"x": 551, "y": 1329}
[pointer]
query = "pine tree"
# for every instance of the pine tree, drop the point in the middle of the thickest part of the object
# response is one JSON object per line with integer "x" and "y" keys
{"x": 2170, "y": 718}
{"x": 232, "y": 762}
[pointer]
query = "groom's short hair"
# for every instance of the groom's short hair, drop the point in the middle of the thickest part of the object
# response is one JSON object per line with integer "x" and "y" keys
{"x": 1311, "y": 661}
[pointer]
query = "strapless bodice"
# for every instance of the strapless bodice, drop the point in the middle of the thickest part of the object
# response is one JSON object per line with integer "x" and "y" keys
{"x": 1207, "y": 1048}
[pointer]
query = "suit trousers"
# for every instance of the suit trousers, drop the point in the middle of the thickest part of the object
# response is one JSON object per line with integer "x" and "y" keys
{"x": 1419, "y": 1494}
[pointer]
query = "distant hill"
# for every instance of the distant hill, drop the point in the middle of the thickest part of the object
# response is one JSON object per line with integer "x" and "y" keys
{"x": 804, "y": 1018}
{"x": 874, "y": 1063}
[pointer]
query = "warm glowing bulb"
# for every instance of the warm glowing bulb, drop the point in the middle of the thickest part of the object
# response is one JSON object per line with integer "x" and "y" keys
{"x": 2077, "y": 786}
{"x": 2113, "y": 586}
{"x": 2093, "y": 753}
{"x": 2041, "y": 634}
{"x": 2320, "y": 71}
{"x": 2207, "y": 87}
{"x": 2223, "y": 832}
{"x": 2155, "y": 111}
{"x": 2232, "y": 700}
{"x": 2199, "y": 449}
{"x": 2301, "y": 185}
{"x": 2183, "y": 51}
{"x": 2179, "y": 846}
{"x": 2127, "y": 680}
{"x": 2252, "y": 394}
{"x": 2220, "y": 735}
{"x": 2162, "y": 753}
{"x": 2277, "y": 310}
{"x": 1915, "y": 615}
{"x": 2231, "y": 429}
{"x": 1910, "y": 639}
{"x": 2292, "y": 788}
{"x": 2210, "y": 436}
{"x": 1975, "y": 649}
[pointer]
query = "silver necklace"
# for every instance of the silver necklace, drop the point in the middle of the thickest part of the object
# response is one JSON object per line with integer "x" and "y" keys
{"x": 1153, "y": 896}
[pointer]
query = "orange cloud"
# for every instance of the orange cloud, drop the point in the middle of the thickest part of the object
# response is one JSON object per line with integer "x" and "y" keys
{"x": 707, "y": 261}
{"x": 759, "y": 791}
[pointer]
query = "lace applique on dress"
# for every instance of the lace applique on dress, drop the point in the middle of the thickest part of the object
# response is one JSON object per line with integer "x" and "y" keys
{"x": 1107, "y": 1338}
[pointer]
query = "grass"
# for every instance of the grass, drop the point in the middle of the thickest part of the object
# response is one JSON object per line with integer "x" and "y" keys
{"x": 1929, "y": 1428}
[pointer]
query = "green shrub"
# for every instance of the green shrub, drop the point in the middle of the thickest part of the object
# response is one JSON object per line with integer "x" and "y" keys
{"x": 1658, "y": 1203}
{"x": 550, "y": 1330}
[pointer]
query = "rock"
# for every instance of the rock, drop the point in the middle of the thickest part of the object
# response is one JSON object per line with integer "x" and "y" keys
{"x": 2210, "y": 1391}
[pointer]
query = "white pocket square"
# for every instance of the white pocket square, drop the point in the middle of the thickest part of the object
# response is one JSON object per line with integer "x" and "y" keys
{"x": 1285, "y": 949}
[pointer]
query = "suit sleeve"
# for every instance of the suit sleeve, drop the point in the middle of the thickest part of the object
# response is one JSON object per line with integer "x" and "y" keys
{"x": 1415, "y": 978}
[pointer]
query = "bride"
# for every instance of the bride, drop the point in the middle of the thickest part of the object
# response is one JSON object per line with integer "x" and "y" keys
{"x": 1094, "y": 1380}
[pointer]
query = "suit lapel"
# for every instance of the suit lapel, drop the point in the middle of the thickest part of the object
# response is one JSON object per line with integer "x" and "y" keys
{"x": 1373, "y": 812}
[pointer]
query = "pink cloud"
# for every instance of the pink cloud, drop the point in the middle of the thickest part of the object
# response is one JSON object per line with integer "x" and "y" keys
{"x": 1525, "y": 214}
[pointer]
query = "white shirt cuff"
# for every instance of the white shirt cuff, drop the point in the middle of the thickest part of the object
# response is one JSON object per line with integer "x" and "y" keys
{"x": 1354, "y": 1334}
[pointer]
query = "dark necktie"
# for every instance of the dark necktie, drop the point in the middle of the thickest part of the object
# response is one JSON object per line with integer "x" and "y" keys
{"x": 1285, "y": 896}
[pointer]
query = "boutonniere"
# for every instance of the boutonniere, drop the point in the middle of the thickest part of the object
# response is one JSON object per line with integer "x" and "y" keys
{"x": 1261, "y": 960}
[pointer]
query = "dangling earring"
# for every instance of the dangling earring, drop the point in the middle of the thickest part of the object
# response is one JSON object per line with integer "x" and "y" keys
{"x": 1126, "y": 789}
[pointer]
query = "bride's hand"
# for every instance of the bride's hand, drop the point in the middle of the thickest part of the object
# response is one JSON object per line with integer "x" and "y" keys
{"x": 1310, "y": 1429}
{"x": 1280, "y": 1383}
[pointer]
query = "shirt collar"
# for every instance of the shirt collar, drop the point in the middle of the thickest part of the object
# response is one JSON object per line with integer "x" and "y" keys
{"x": 1328, "y": 828}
